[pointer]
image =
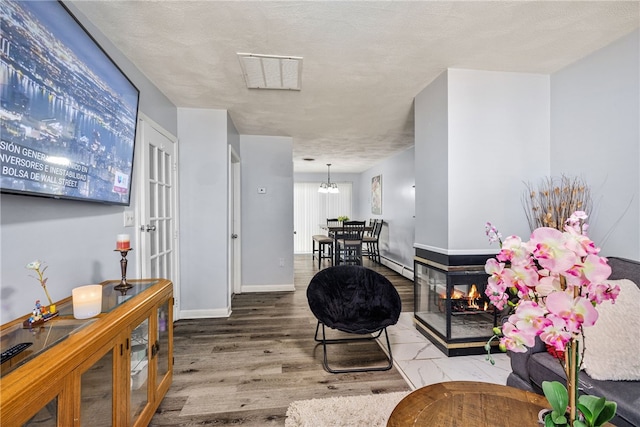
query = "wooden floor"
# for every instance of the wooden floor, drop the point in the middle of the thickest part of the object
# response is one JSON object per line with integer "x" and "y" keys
{"x": 247, "y": 369}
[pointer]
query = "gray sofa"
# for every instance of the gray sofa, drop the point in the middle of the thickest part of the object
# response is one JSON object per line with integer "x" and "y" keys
{"x": 537, "y": 365}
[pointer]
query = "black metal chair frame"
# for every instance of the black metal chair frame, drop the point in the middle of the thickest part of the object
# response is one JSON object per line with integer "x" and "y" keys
{"x": 354, "y": 300}
{"x": 325, "y": 341}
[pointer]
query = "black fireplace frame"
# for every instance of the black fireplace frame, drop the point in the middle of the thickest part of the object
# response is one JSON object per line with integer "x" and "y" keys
{"x": 453, "y": 267}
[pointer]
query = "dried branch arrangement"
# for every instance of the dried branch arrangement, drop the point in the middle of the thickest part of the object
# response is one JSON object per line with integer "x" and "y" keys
{"x": 554, "y": 200}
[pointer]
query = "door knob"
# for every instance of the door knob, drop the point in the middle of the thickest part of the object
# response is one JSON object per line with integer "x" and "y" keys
{"x": 148, "y": 228}
{"x": 234, "y": 236}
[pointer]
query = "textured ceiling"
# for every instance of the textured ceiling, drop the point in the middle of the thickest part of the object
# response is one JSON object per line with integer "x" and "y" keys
{"x": 363, "y": 61}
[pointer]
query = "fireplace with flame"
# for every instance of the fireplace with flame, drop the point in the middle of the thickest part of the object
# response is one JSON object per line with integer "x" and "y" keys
{"x": 467, "y": 301}
{"x": 451, "y": 308}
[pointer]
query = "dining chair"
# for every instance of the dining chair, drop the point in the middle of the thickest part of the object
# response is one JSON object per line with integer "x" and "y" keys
{"x": 325, "y": 243}
{"x": 349, "y": 242}
{"x": 333, "y": 222}
{"x": 371, "y": 241}
{"x": 355, "y": 300}
{"x": 368, "y": 233}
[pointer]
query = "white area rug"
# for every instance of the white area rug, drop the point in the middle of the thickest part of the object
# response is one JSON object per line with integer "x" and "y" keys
{"x": 371, "y": 410}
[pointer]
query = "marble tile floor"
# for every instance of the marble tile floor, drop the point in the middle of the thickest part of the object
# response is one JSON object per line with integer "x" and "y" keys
{"x": 421, "y": 363}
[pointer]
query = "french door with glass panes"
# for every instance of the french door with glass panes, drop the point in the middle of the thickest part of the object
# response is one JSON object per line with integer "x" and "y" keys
{"x": 158, "y": 204}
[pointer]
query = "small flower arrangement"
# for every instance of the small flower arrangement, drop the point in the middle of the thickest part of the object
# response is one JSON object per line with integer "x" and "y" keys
{"x": 343, "y": 218}
{"x": 40, "y": 268}
{"x": 553, "y": 283}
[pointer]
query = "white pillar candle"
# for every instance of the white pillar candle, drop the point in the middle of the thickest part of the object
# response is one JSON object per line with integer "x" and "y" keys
{"x": 123, "y": 242}
{"x": 87, "y": 301}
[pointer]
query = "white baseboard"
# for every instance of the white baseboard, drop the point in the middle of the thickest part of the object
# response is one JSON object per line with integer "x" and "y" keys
{"x": 204, "y": 314}
{"x": 401, "y": 269}
{"x": 267, "y": 288}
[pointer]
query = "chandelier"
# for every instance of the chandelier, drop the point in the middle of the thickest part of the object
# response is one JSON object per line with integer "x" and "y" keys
{"x": 328, "y": 187}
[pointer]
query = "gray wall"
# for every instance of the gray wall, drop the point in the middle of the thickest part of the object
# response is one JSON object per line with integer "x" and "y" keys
{"x": 595, "y": 134}
{"x": 267, "y": 219}
{"x": 203, "y": 190}
{"x": 498, "y": 138}
{"x": 479, "y": 135}
{"x": 76, "y": 239}
{"x": 398, "y": 206}
{"x": 431, "y": 154}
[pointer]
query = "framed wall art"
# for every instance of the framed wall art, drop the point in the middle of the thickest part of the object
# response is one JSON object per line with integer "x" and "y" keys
{"x": 376, "y": 195}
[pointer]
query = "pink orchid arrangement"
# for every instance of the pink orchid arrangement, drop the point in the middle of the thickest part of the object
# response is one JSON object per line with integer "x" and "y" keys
{"x": 554, "y": 283}
{"x": 558, "y": 279}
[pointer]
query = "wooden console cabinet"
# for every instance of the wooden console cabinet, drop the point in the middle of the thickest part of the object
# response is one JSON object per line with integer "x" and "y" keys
{"x": 111, "y": 370}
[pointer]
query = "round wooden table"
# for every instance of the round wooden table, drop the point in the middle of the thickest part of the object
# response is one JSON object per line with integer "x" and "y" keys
{"x": 466, "y": 404}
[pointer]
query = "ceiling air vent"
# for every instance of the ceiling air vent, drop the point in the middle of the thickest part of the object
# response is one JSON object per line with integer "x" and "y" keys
{"x": 271, "y": 71}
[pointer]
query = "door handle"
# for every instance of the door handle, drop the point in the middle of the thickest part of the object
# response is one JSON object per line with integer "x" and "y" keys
{"x": 234, "y": 236}
{"x": 148, "y": 228}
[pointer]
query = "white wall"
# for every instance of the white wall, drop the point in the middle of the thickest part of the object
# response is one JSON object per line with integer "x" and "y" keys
{"x": 398, "y": 206}
{"x": 497, "y": 136}
{"x": 498, "y": 139}
{"x": 595, "y": 134}
{"x": 203, "y": 212}
{"x": 76, "y": 239}
{"x": 267, "y": 219}
{"x": 431, "y": 170}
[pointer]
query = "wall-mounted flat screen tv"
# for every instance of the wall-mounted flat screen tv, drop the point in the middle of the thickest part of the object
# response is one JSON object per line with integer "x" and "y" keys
{"x": 68, "y": 114}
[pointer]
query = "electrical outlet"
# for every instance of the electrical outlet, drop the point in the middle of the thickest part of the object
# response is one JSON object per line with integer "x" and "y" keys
{"x": 281, "y": 262}
{"x": 129, "y": 219}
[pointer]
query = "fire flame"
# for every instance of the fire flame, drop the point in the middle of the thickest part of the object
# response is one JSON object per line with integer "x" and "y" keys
{"x": 473, "y": 297}
{"x": 473, "y": 293}
{"x": 456, "y": 294}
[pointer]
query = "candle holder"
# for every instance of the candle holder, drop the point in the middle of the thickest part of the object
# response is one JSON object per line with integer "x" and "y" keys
{"x": 123, "y": 286}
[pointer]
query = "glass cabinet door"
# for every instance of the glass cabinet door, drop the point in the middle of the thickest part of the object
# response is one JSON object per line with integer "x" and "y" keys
{"x": 96, "y": 393}
{"x": 139, "y": 342}
{"x": 162, "y": 344}
{"x": 47, "y": 416}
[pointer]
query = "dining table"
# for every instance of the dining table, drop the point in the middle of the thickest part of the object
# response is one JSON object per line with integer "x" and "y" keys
{"x": 331, "y": 232}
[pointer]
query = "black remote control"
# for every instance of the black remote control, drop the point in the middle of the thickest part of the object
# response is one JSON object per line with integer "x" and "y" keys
{"x": 14, "y": 351}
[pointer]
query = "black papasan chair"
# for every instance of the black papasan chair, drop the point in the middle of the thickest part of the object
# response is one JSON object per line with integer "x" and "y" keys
{"x": 357, "y": 300}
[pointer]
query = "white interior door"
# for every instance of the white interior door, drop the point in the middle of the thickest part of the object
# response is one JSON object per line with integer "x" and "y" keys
{"x": 158, "y": 219}
{"x": 235, "y": 281}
